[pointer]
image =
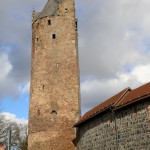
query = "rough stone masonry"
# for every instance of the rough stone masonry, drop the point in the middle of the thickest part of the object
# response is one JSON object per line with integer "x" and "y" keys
{"x": 54, "y": 94}
{"x": 119, "y": 123}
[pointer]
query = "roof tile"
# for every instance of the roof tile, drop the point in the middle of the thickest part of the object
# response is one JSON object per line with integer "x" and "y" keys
{"x": 123, "y": 98}
{"x": 134, "y": 95}
{"x": 103, "y": 106}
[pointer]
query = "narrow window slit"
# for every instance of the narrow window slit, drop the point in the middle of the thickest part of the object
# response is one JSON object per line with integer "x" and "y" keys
{"x": 37, "y": 39}
{"x": 54, "y": 112}
{"x": 66, "y": 9}
{"x": 38, "y": 112}
{"x": 53, "y": 36}
{"x": 76, "y": 25}
{"x": 49, "y": 22}
{"x": 37, "y": 25}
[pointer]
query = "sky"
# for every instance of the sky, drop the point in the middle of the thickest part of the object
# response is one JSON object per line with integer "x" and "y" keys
{"x": 114, "y": 50}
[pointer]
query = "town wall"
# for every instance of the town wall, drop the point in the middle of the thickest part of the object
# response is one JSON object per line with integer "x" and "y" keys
{"x": 129, "y": 131}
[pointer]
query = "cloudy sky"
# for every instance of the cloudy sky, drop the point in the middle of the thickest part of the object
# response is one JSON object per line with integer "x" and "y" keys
{"x": 114, "y": 50}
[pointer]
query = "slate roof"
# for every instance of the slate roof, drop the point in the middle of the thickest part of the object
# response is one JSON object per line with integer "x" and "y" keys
{"x": 50, "y": 9}
{"x": 122, "y": 99}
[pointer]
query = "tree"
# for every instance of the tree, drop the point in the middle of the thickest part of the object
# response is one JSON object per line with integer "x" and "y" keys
{"x": 3, "y": 129}
{"x": 19, "y": 133}
{"x": 23, "y": 145}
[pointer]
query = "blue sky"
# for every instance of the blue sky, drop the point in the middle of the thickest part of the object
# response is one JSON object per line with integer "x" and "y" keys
{"x": 18, "y": 107}
{"x": 114, "y": 50}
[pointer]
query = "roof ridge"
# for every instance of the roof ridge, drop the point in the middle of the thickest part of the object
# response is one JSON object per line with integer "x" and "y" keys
{"x": 128, "y": 90}
{"x": 135, "y": 95}
{"x": 121, "y": 99}
{"x": 102, "y": 106}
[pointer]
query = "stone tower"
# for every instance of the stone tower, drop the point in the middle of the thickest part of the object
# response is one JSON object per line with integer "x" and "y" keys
{"x": 54, "y": 94}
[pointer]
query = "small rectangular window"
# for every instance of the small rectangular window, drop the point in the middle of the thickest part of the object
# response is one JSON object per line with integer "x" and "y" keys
{"x": 53, "y": 36}
{"x": 76, "y": 25}
{"x": 37, "y": 25}
{"x": 49, "y": 22}
{"x": 66, "y": 9}
{"x": 37, "y": 40}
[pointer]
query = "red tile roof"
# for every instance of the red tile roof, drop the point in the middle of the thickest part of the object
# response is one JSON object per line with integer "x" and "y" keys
{"x": 135, "y": 95}
{"x": 103, "y": 106}
{"x": 123, "y": 98}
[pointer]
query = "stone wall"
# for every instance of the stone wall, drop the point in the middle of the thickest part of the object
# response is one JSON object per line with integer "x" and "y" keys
{"x": 97, "y": 134}
{"x": 133, "y": 127}
{"x": 130, "y": 133}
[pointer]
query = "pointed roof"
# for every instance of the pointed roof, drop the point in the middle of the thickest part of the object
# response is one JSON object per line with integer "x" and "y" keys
{"x": 50, "y": 9}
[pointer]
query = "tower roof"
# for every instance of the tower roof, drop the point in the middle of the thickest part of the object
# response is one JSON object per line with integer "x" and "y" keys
{"x": 50, "y": 9}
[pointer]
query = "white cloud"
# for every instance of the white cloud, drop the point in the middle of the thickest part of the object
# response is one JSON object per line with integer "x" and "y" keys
{"x": 5, "y": 66}
{"x": 25, "y": 88}
{"x": 142, "y": 73}
{"x": 113, "y": 36}
{"x": 94, "y": 91}
{"x": 113, "y": 33}
{"x": 114, "y": 47}
{"x": 13, "y": 118}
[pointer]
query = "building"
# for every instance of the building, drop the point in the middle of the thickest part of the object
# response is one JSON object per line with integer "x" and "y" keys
{"x": 54, "y": 94}
{"x": 120, "y": 123}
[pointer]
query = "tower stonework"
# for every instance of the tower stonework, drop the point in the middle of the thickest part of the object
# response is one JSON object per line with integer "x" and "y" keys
{"x": 54, "y": 93}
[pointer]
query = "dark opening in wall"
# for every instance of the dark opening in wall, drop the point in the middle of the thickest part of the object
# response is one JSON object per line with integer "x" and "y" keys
{"x": 76, "y": 25}
{"x": 37, "y": 25}
{"x": 43, "y": 86}
{"x": 54, "y": 112}
{"x": 54, "y": 108}
{"x": 37, "y": 40}
{"x": 66, "y": 9}
{"x": 38, "y": 112}
{"x": 53, "y": 36}
{"x": 49, "y": 22}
